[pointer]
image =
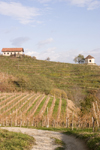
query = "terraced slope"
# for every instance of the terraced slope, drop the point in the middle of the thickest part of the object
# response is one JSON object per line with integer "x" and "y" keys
{"x": 24, "y": 73}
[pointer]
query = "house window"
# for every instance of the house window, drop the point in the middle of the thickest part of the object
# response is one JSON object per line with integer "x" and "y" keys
{"x": 4, "y": 53}
{"x": 89, "y": 60}
{"x": 8, "y": 53}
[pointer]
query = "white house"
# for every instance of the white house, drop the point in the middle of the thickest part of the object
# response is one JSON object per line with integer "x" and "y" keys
{"x": 12, "y": 51}
{"x": 89, "y": 60}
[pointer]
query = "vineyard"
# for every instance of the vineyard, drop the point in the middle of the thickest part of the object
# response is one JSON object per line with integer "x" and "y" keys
{"x": 40, "y": 110}
{"x": 23, "y": 109}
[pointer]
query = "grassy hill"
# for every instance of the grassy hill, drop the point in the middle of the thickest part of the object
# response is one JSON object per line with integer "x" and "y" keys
{"x": 27, "y": 74}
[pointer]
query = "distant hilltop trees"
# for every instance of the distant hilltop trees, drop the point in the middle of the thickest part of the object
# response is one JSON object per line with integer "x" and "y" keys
{"x": 79, "y": 59}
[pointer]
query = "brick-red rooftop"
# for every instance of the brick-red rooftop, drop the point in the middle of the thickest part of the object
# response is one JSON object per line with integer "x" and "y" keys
{"x": 12, "y": 50}
{"x": 89, "y": 57}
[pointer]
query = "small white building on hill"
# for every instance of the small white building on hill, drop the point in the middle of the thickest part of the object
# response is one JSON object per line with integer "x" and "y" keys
{"x": 89, "y": 60}
{"x": 12, "y": 51}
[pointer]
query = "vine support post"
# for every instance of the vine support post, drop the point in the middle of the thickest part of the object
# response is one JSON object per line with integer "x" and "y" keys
{"x": 47, "y": 119}
{"x": 93, "y": 123}
{"x": 72, "y": 119}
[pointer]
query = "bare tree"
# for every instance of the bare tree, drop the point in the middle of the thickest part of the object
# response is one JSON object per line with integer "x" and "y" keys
{"x": 48, "y": 59}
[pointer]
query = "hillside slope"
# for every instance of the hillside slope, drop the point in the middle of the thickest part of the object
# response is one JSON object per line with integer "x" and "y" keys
{"x": 27, "y": 74}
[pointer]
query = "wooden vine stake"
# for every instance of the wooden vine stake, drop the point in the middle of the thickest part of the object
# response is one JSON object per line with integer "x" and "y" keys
{"x": 98, "y": 112}
{"x": 47, "y": 119}
{"x": 67, "y": 115}
{"x": 72, "y": 119}
{"x": 93, "y": 123}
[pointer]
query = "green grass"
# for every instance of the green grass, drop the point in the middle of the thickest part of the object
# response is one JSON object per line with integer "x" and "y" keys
{"x": 27, "y": 103}
{"x": 3, "y": 98}
{"x": 40, "y": 106}
{"x": 63, "y": 107}
{"x": 15, "y": 141}
{"x": 60, "y": 148}
{"x": 61, "y": 144}
{"x": 55, "y": 110}
{"x": 49, "y": 105}
{"x": 7, "y": 100}
{"x": 33, "y": 105}
{"x": 19, "y": 104}
{"x": 11, "y": 104}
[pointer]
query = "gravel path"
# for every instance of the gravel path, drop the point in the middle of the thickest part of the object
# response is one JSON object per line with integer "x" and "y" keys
{"x": 44, "y": 140}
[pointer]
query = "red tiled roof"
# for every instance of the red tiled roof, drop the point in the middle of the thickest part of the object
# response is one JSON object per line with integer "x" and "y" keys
{"x": 89, "y": 57}
{"x": 12, "y": 50}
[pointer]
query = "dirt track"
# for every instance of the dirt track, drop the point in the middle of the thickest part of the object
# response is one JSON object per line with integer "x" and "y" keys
{"x": 44, "y": 139}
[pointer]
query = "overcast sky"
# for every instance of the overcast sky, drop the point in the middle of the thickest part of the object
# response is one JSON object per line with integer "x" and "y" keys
{"x": 59, "y": 29}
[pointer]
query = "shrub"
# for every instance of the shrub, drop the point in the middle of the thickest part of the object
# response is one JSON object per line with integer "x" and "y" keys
{"x": 58, "y": 93}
